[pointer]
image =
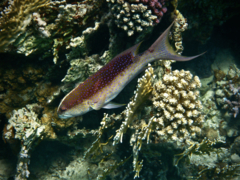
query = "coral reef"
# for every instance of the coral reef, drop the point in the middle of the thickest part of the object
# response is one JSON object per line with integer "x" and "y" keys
{"x": 205, "y": 147}
{"x": 26, "y": 127}
{"x": 82, "y": 68}
{"x": 15, "y": 18}
{"x": 163, "y": 118}
{"x": 213, "y": 13}
{"x": 178, "y": 115}
{"x": 43, "y": 25}
{"x": 212, "y": 161}
{"x": 227, "y": 89}
{"x": 233, "y": 105}
{"x": 143, "y": 91}
{"x": 134, "y": 16}
{"x": 180, "y": 25}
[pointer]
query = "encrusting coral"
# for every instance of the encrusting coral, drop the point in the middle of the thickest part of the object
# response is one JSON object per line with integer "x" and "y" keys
{"x": 210, "y": 159}
{"x": 28, "y": 129}
{"x": 180, "y": 25}
{"x": 233, "y": 105}
{"x": 178, "y": 110}
{"x": 228, "y": 89}
{"x": 15, "y": 19}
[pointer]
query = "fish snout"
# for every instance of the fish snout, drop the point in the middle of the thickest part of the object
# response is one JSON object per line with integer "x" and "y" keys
{"x": 62, "y": 112}
{"x": 62, "y": 109}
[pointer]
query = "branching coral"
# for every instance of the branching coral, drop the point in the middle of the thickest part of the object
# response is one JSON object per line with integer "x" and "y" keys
{"x": 141, "y": 94}
{"x": 178, "y": 115}
{"x": 106, "y": 123}
{"x": 134, "y": 16}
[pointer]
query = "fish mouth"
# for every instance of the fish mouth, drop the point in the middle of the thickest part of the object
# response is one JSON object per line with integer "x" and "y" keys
{"x": 64, "y": 116}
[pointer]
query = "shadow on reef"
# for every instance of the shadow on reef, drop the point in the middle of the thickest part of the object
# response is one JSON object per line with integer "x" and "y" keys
{"x": 8, "y": 154}
{"x": 47, "y": 156}
{"x": 223, "y": 37}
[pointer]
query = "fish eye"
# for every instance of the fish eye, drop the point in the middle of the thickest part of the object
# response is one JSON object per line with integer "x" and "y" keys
{"x": 63, "y": 108}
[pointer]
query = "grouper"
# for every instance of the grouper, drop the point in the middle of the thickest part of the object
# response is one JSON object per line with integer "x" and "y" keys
{"x": 99, "y": 89}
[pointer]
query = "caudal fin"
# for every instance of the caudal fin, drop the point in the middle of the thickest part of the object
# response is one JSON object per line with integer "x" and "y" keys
{"x": 161, "y": 49}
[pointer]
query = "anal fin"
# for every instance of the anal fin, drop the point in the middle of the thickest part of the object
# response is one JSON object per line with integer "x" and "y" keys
{"x": 112, "y": 105}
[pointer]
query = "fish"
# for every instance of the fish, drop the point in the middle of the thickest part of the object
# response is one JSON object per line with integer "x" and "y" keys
{"x": 99, "y": 89}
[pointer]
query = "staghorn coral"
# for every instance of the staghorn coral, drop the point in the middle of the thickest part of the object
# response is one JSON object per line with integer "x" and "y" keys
{"x": 106, "y": 123}
{"x": 141, "y": 94}
{"x": 134, "y": 16}
{"x": 178, "y": 110}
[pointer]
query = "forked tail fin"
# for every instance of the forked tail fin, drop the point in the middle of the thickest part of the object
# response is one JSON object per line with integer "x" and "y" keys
{"x": 161, "y": 49}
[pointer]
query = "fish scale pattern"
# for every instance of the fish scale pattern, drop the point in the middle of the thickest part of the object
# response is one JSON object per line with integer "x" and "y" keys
{"x": 98, "y": 81}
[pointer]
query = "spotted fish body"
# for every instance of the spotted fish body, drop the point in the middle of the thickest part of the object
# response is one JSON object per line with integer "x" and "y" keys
{"x": 98, "y": 90}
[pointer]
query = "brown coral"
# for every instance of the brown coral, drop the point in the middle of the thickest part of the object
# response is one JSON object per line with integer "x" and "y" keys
{"x": 15, "y": 18}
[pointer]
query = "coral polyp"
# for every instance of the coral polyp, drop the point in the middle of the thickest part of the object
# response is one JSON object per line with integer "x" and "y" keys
{"x": 134, "y": 16}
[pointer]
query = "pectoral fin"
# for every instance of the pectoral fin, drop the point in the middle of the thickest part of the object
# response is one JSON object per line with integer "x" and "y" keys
{"x": 96, "y": 105}
{"x": 112, "y": 105}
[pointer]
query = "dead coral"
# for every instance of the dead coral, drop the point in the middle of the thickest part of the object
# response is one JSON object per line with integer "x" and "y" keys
{"x": 233, "y": 105}
{"x": 27, "y": 129}
{"x": 210, "y": 160}
{"x": 228, "y": 89}
{"x": 15, "y": 18}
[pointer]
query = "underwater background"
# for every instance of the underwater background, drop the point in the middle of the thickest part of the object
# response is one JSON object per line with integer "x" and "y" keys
{"x": 181, "y": 119}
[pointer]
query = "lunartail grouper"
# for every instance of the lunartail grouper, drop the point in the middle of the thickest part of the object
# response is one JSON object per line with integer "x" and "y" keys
{"x": 98, "y": 90}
